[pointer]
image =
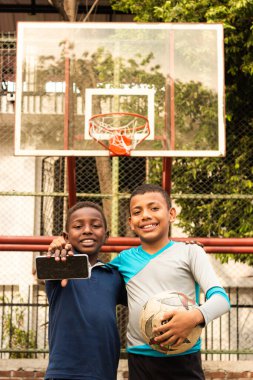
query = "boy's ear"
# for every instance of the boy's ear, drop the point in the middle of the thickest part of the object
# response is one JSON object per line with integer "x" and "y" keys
{"x": 130, "y": 223}
{"x": 107, "y": 234}
{"x": 65, "y": 236}
{"x": 173, "y": 214}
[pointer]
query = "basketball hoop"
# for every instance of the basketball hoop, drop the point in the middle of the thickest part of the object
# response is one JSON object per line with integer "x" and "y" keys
{"x": 119, "y": 132}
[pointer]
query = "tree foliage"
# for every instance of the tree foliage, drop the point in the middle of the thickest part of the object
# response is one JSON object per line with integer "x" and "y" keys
{"x": 229, "y": 216}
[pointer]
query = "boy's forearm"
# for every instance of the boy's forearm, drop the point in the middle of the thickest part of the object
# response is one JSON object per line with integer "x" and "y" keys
{"x": 213, "y": 308}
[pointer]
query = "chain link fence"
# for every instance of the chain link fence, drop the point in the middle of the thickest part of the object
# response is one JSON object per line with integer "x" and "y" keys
{"x": 34, "y": 201}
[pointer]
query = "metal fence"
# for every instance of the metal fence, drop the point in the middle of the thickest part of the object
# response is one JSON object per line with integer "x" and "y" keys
{"x": 24, "y": 326}
{"x": 34, "y": 200}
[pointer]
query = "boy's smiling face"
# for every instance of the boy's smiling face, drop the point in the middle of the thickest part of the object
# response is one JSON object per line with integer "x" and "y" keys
{"x": 150, "y": 219}
{"x": 86, "y": 232}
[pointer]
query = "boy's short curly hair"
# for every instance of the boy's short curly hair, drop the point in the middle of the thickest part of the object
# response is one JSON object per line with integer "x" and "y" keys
{"x": 85, "y": 204}
{"x": 151, "y": 188}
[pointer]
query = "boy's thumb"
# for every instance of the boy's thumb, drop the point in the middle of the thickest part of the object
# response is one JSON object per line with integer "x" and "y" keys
{"x": 64, "y": 283}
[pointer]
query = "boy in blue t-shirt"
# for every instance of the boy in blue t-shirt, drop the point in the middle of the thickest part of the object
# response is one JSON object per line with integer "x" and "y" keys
{"x": 84, "y": 341}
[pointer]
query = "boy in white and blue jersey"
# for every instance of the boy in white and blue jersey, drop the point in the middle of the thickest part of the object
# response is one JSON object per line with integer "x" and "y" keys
{"x": 161, "y": 264}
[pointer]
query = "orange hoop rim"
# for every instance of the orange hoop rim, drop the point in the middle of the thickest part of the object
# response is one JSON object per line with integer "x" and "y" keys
{"x": 97, "y": 116}
{"x": 119, "y": 113}
{"x": 119, "y": 151}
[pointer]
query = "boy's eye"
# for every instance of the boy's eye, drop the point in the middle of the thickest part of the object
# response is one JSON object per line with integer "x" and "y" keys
{"x": 77, "y": 226}
{"x": 97, "y": 226}
{"x": 155, "y": 208}
{"x": 136, "y": 212}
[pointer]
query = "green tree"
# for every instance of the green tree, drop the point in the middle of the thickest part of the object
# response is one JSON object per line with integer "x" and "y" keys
{"x": 232, "y": 175}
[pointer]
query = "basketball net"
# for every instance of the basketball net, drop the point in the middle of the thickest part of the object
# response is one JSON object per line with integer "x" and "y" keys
{"x": 119, "y": 132}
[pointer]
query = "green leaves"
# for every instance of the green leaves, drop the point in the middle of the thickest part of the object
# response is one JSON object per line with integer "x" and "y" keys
{"x": 228, "y": 181}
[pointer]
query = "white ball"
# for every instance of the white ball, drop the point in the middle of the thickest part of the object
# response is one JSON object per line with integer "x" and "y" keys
{"x": 152, "y": 314}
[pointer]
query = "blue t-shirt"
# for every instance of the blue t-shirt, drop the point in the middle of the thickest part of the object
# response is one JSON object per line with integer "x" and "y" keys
{"x": 84, "y": 342}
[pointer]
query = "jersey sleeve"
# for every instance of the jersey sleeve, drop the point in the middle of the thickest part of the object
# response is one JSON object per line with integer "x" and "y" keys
{"x": 201, "y": 268}
{"x": 115, "y": 263}
{"x": 214, "y": 307}
{"x": 216, "y": 299}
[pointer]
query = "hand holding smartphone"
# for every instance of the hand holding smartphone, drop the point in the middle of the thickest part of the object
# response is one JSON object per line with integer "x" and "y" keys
{"x": 74, "y": 267}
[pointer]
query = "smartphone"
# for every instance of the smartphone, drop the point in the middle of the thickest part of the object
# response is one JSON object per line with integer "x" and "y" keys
{"x": 76, "y": 266}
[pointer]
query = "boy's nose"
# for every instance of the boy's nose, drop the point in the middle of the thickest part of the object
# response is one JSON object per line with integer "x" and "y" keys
{"x": 86, "y": 229}
{"x": 145, "y": 214}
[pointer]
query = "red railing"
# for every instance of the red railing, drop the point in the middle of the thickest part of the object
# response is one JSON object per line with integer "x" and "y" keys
{"x": 117, "y": 244}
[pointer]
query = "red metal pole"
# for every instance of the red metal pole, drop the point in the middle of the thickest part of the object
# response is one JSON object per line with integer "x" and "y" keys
{"x": 116, "y": 248}
{"x": 132, "y": 241}
{"x": 71, "y": 163}
{"x": 66, "y": 102}
{"x": 71, "y": 173}
{"x": 172, "y": 92}
{"x": 167, "y": 174}
{"x": 167, "y": 161}
{"x": 117, "y": 244}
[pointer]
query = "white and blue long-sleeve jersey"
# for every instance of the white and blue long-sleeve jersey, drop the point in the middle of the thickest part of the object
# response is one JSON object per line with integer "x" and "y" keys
{"x": 177, "y": 267}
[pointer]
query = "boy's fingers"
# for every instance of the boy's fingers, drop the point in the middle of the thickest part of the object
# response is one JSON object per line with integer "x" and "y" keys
{"x": 178, "y": 342}
{"x": 172, "y": 342}
{"x": 164, "y": 323}
{"x": 69, "y": 251}
{"x": 166, "y": 338}
{"x": 64, "y": 283}
{"x": 51, "y": 248}
{"x": 58, "y": 243}
{"x": 63, "y": 254}
{"x": 50, "y": 253}
{"x": 60, "y": 254}
{"x": 57, "y": 254}
{"x": 54, "y": 253}
{"x": 194, "y": 242}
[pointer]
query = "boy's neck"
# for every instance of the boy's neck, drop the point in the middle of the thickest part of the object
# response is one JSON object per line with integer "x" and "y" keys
{"x": 153, "y": 248}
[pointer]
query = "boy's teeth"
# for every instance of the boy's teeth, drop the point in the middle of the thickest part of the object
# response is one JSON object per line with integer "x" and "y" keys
{"x": 149, "y": 226}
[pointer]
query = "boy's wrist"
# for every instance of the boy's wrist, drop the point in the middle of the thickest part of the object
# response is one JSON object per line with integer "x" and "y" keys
{"x": 198, "y": 317}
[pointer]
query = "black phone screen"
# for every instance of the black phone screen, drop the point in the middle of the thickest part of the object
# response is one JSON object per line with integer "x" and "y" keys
{"x": 74, "y": 267}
